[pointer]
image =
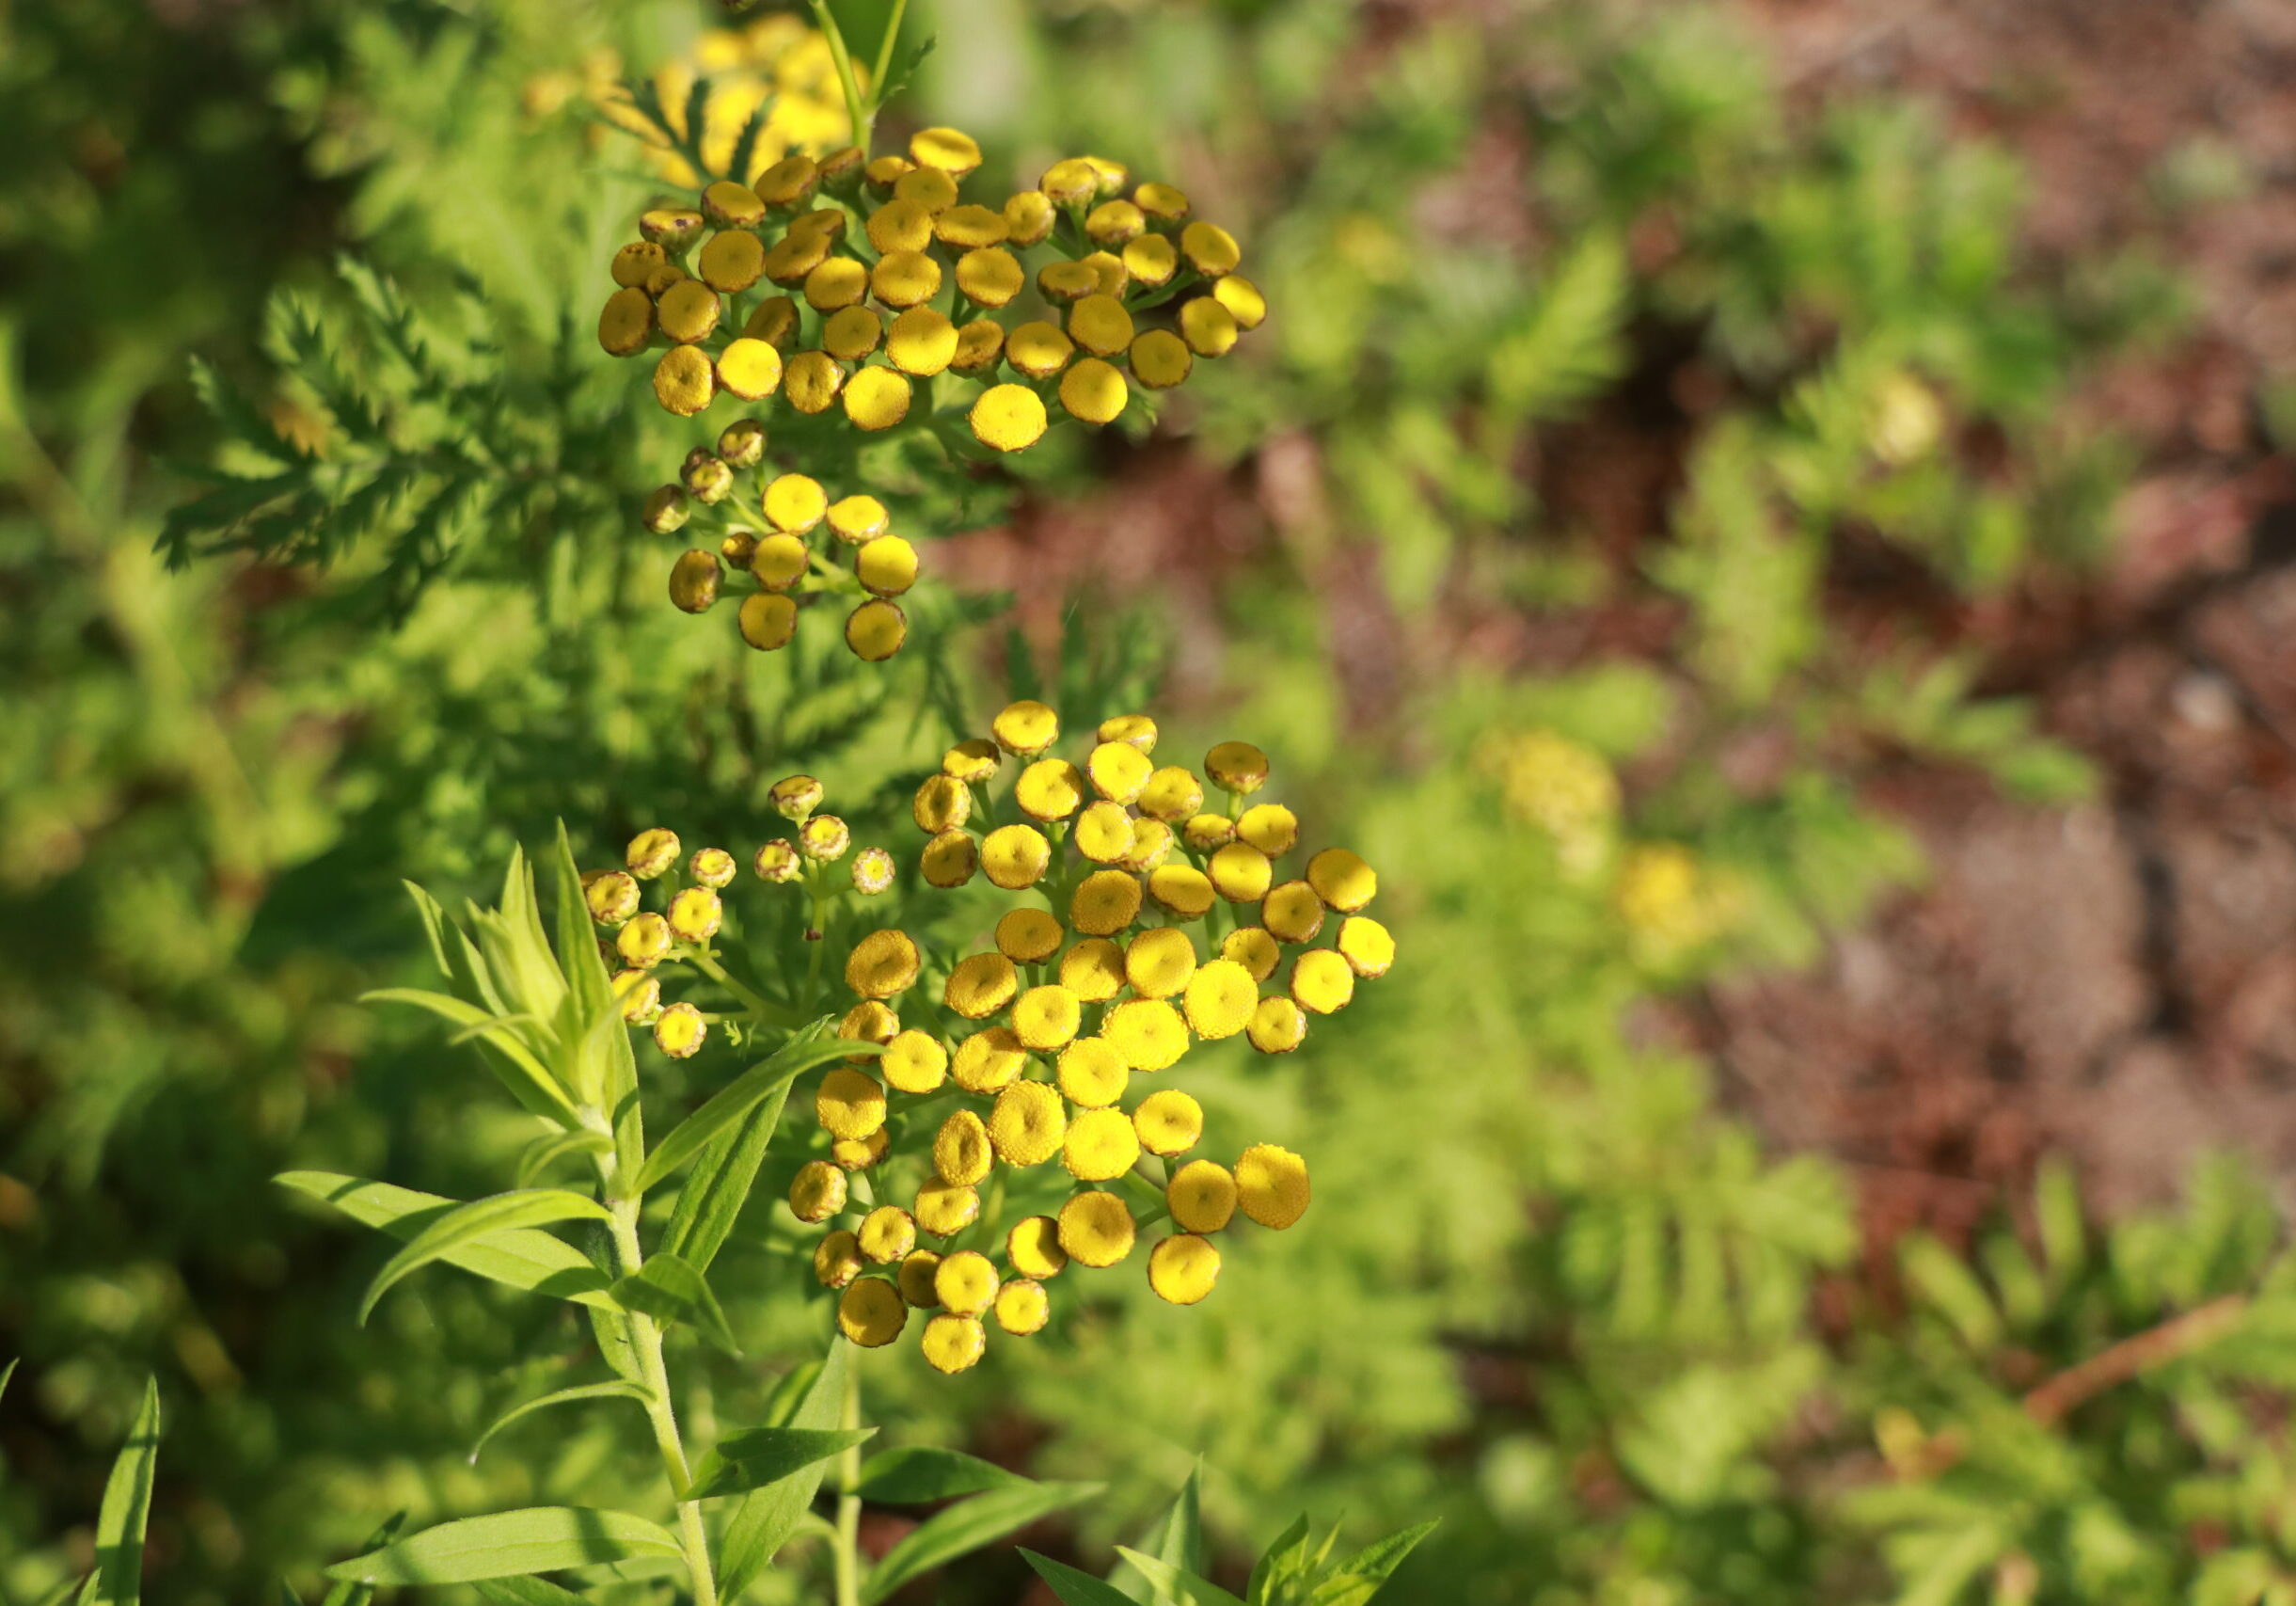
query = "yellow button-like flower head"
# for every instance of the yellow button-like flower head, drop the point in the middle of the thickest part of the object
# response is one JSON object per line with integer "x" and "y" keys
{"x": 849, "y": 1102}
{"x": 1015, "y": 856}
{"x": 693, "y": 580}
{"x": 1100, "y": 325}
{"x": 881, "y": 964}
{"x": 1159, "y": 962}
{"x": 817, "y": 1191}
{"x": 980, "y": 985}
{"x": 644, "y": 942}
{"x": 1093, "y": 970}
{"x": 851, "y": 333}
{"x": 1021, "y": 1308}
{"x": 1119, "y": 770}
{"x": 1049, "y": 789}
{"x": 1093, "y": 391}
{"x": 1038, "y": 350}
{"x": 1168, "y": 1121}
{"x": 922, "y": 341}
{"x": 1095, "y": 1227}
{"x": 1151, "y": 845}
{"x": 905, "y": 278}
{"x": 872, "y": 871}
{"x": 1151, "y": 259}
{"x": 1104, "y": 903}
{"x": 639, "y": 995}
{"x": 1242, "y": 299}
{"x": 1183, "y": 890}
{"x": 1171, "y": 793}
{"x": 768, "y": 620}
{"x": 1323, "y": 981}
{"x": 678, "y": 1031}
{"x": 875, "y": 631}
{"x": 1028, "y": 1123}
{"x": 1202, "y": 1196}
{"x": 1046, "y": 1018}
{"x": 952, "y": 1343}
{"x": 1208, "y": 327}
{"x": 1237, "y": 767}
{"x": 1269, "y": 827}
{"x": 945, "y": 1208}
{"x": 858, "y": 1153}
{"x": 942, "y": 803}
{"x": 1034, "y": 1248}
{"x": 1210, "y": 249}
{"x": 1160, "y": 359}
{"x": 871, "y": 1312}
{"x": 1206, "y": 831}
{"x": 979, "y": 344}
{"x": 1278, "y": 1025}
{"x": 1092, "y": 1074}
{"x": 1341, "y": 880}
{"x": 1183, "y": 1268}
{"x": 900, "y": 226}
{"x": 914, "y": 1062}
{"x": 928, "y": 187}
{"x": 868, "y": 1022}
{"x": 1100, "y": 1144}
{"x": 1103, "y": 833}
{"x": 684, "y": 380}
{"x": 1220, "y": 999}
{"x": 855, "y": 519}
{"x": 811, "y": 381}
{"x": 1027, "y": 936}
{"x": 887, "y": 1233}
{"x": 836, "y": 1259}
{"x": 695, "y": 913}
{"x": 1242, "y": 873}
{"x": 971, "y": 228}
{"x": 949, "y": 859}
{"x": 989, "y": 274}
{"x": 915, "y": 1280}
{"x": 823, "y": 838}
{"x": 1147, "y": 1033}
{"x": 988, "y": 1060}
{"x": 1025, "y": 728}
{"x": 712, "y": 867}
{"x": 1029, "y": 216}
{"x": 1292, "y": 913}
{"x": 627, "y": 321}
{"x": 732, "y": 262}
{"x": 612, "y": 896}
{"x": 777, "y": 861}
{"x": 1007, "y": 418}
{"x": 876, "y": 398}
{"x": 965, "y": 1282}
{"x": 887, "y": 565}
{"x": 1272, "y": 1184}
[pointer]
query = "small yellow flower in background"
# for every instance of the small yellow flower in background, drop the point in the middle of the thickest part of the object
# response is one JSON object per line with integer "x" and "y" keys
{"x": 1563, "y": 788}
{"x": 1669, "y": 901}
{"x": 775, "y": 57}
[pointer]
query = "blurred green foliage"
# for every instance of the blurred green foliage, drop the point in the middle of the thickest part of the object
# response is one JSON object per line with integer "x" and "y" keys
{"x": 1548, "y": 1292}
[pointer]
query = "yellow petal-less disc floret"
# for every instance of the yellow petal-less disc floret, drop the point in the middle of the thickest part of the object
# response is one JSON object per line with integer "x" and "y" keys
{"x": 871, "y": 1312}
{"x": 796, "y": 797}
{"x": 1093, "y": 970}
{"x": 823, "y": 838}
{"x": 961, "y": 1154}
{"x": 639, "y": 996}
{"x": 1159, "y": 962}
{"x": 1049, "y": 789}
{"x": 635, "y": 263}
{"x": 1151, "y": 845}
{"x": 946, "y": 1208}
{"x": 971, "y": 228}
{"x": 1093, "y": 391}
{"x": 1113, "y": 222}
{"x": 905, "y": 278}
{"x": 1015, "y": 857}
{"x": 885, "y": 171}
{"x": 1208, "y": 328}
{"x": 1171, "y": 793}
{"x": 851, "y": 333}
{"x": 1046, "y": 1018}
{"x": 941, "y": 804}
{"x": 928, "y": 187}
{"x": 811, "y": 380}
{"x": 965, "y": 1282}
{"x": 914, "y": 1062}
{"x": 887, "y": 565}
{"x": 875, "y": 631}
{"x": 1104, "y": 903}
{"x": 732, "y": 260}
{"x": 780, "y": 559}
{"x": 694, "y": 579}
{"x": 1160, "y": 359}
{"x": 1237, "y": 767}
{"x": 788, "y": 181}
{"x": 1183, "y": 1268}
{"x": 1210, "y": 249}
{"x": 1341, "y": 880}
{"x": 836, "y": 1259}
{"x": 1100, "y": 325}
{"x": 1022, "y": 1308}
{"x": 1095, "y": 1229}
{"x": 1220, "y": 999}
{"x": 872, "y": 871}
{"x": 684, "y": 380}
{"x": 980, "y": 985}
{"x": 1092, "y": 1074}
{"x": 1242, "y": 299}
{"x": 794, "y": 502}
{"x": 887, "y": 1233}
{"x": 949, "y": 859}
{"x": 952, "y": 1343}
{"x": 1064, "y": 283}
{"x": 1269, "y": 827}
{"x": 1149, "y": 261}
{"x": 868, "y": 1022}
{"x": 730, "y": 205}
{"x": 1201, "y": 1196}
{"x": 1181, "y": 890}
{"x": 679, "y": 1030}
{"x": 644, "y": 942}
{"x": 849, "y": 1102}
{"x": 921, "y": 342}
{"x": 1168, "y": 1121}
{"x": 1024, "y": 936}
{"x": 1323, "y": 981}
{"x": 1148, "y": 1033}
{"x": 1242, "y": 873}
{"x": 778, "y": 862}
{"x": 1271, "y": 1185}
{"x": 1029, "y": 215}
{"x": 1167, "y": 203}
{"x": 688, "y": 311}
{"x": 695, "y": 913}
{"x": 1206, "y": 831}
{"x": 979, "y": 344}
{"x": 775, "y": 322}
{"x": 900, "y": 226}
{"x": 915, "y": 1280}
{"x": 816, "y": 1192}
{"x": 977, "y": 759}
{"x": 768, "y": 620}
{"x": 1119, "y": 770}
{"x": 1278, "y": 1025}
{"x": 1102, "y": 833}
{"x": 712, "y": 867}
{"x": 1071, "y": 181}
{"x": 876, "y": 398}
{"x": 1109, "y": 275}
{"x": 856, "y": 520}
{"x": 1028, "y": 1123}
{"x": 1025, "y": 728}
{"x": 988, "y": 1060}
{"x": 1133, "y": 730}
{"x": 672, "y": 228}
{"x": 1038, "y": 350}
{"x": 1032, "y": 1247}
{"x": 1007, "y": 418}
{"x": 1292, "y": 913}
{"x": 1100, "y": 1145}
{"x": 627, "y": 321}
{"x": 610, "y": 896}
{"x": 990, "y": 276}
{"x": 858, "y": 1153}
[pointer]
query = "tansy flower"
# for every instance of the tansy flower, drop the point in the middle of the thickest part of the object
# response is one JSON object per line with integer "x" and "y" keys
{"x": 952, "y": 1343}
{"x": 1168, "y": 1121}
{"x": 965, "y": 1283}
{"x": 1095, "y": 1229}
{"x": 872, "y": 871}
{"x": 640, "y": 995}
{"x": 1032, "y": 1247}
{"x": 1147, "y": 1033}
{"x": 961, "y": 1151}
{"x": 1022, "y": 1308}
{"x": 1028, "y": 936}
{"x": 849, "y": 1102}
{"x": 1100, "y": 1145}
{"x": 777, "y": 861}
{"x": 871, "y": 1313}
{"x": 914, "y": 1278}
{"x": 1046, "y": 1017}
{"x": 1201, "y": 1196}
{"x": 610, "y": 895}
{"x": 1219, "y": 999}
{"x": 868, "y": 1022}
{"x": 914, "y": 1062}
{"x": 988, "y": 1060}
{"x": 1323, "y": 981}
{"x": 1272, "y": 1184}
{"x": 944, "y": 1208}
{"x": 859, "y": 1153}
{"x": 1093, "y": 970}
{"x": 883, "y": 965}
{"x": 679, "y": 1030}
{"x": 695, "y": 913}
{"x": 1277, "y": 1027}
{"x": 794, "y": 797}
{"x": 1104, "y": 903}
{"x": 981, "y": 985}
{"x": 1183, "y": 1268}
{"x": 644, "y": 942}
{"x": 836, "y": 1259}
{"x": 651, "y": 852}
{"x": 817, "y": 1191}
{"x": 1028, "y": 1124}
{"x": 887, "y": 1233}
{"x": 1092, "y": 1074}
{"x": 712, "y": 867}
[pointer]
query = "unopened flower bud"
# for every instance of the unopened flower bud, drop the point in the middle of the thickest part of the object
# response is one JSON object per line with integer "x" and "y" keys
{"x": 651, "y": 852}
{"x": 872, "y": 871}
{"x": 639, "y": 995}
{"x": 693, "y": 580}
{"x": 665, "y": 511}
{"x": 743, "y": 443}
{"x": 796, "y": 797}
{"x": 711, "y": 866}
{"x": 823, "y": 838}
{"x": 777, "y": 861}
{"x": 611, "y": 894}
{"x": 711, "y": 479}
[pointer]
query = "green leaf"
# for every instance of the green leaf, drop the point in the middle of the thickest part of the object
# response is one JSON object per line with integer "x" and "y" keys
{"x": 738, "y": 1097}
{"x": 1177, "y": 1582}
{"x": 767, "y": 1454}
{"x": 717, "y": 1187}
{"x": 916, "y": 1473}
{"x": 669, "y": 1290}
{"x": 479, "y": 1218}
{"x": 529, "y": 1081}
{"x": 5, "y": 1373}
{"x": 618, "y": 1390}
{"x": 360, "y": 1594}
{"x": 1278, "y": 1562}
{"x": 1359, "y": 1578}
{"x": 510, "y": 1544}
{"x": 126, "y": 1510}
{"x": 1177, "y": 1537}
{"x": 965, "y": 1528}
{"x": 527, "y": 1592}
{"x": 1075, "y": 1588}
{"x": 547, "y": 1150}
{"x": 767, "y": 1516}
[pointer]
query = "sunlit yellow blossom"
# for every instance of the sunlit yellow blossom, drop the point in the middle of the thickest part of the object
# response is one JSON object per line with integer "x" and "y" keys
{"x": 872, "y": 871}
{"x": 988, "y": 1060}
{"x": 644, "y": 942}
{"x": 849, "y": 1102}
{"x": 712, "y": 867}
{"x": 886, "y": 565}
{"x": 1093, "y": 970}
{"x": 1092, "y": 1074}
{"x": 1272, "y": 1184}
{"x": 1022, "y": 1308}
{"x": 868, "y": 1022}
{"x": 1029, "y": 216}
{"x": 1366, "y": 946}
{"x": 887, "y": 1233}
{"x": 875, "y": 629}
{"x": 652, "y": 853}
{"x": 1219, "y": 999}
{"x": 1028, "y": 936}
{"x": 823, "y": 838}
{"x": 1208, "y": 327}
{"x": 944, "y": 1208}
{"x": 1025, "y": 728}
{"x": 1028, "y": 1123}
{"x": 1323, "y": 981}
{"x": 612, "y": 896}
{"x": 1292, "y": 913}
{"x": 1278, "y": 1025}
{"x": 1158, "y": 963}
{"x": 1102, "y": 833}
{"x": 1206, "y": 832}
{"x": 1049, "y": 789}
{"x": 848, "y": 335}
{"x": 1168, "y": 1121}
{"x": 836, "y": 1258}
{"x": 639, "y": 995}
{"x": 1015, "y": 856}
{"x": 980, "y": 985}
{"x": 979, "y": 344}
{"x": 1008, "y": 417}
{"x": 678, "y": 1031}
{"x": 961, "y": 1151}
{"x": 1151, "y": 845}
{"x": 1181, "y": 890}
{"x": 695, "y": 913}
{"x": 1104, "y": 903}
{"x": 1118, "y": 770}
{"x": 1093, "y": 391}
{"x": 1183, "y": 1268}
{"x": 915, "y": 1279}
{"x": 777, "y": 861}
{"x": 817, "y": 1191}
{"x": 952, "y": 1343}
{"x": 858, "y": 1153}
{"x": 927, "y": 187}
{"x": 1237, "y": 767}
{"x": 871, "y": 1313}
{"x": 1242, "y": 873}
{"x": 965, "y": 1282}
{"x": 949, "y": 859}
{"x": 1038, "y": 350}
{"x": 1341, "y": 880}
{"x": 768, "y": 620}
{"x": 914, "y": 1062}
{"x": 1095, "y": 1229}
{"x": 1269, "y": 827}
{"x": 694, "y": 579}
{"x": 858, "y": 518}
{"x": 1034, "y": 1248}
{"x": 1201, "y": 1196}
{"x": 1147, "y": 1033}
{"x": 1100, "y": 1144}
{"x": 1046, "y": 1018}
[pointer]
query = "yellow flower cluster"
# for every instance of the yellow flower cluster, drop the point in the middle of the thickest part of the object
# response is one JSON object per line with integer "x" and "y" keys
{"x": 1163, "y": 922}
{"x": 1562, "y": 787}
{"x": 776, "y": 62}
{"x": 690, "y": 906}
{"x": 847, "y": 282}
{"x": 771, "y": 542}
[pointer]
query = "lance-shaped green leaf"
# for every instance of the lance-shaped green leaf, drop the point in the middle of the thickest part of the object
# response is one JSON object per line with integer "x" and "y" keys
{"x": 620, "y": 1389}
{"x": 1279, "y": 1563}
{"x": 592, "y": 1017}
{"x": 741, "y": 1095}
{"x": 470, "y": 1223}
{"x": 5, "y": 1373}
{"x": 527, "y": 1592}
{"x": 350, "y": 1594}
{"x": 767, "y": 1516}
{"x": 547, "y": 1150}
{"x": 1356, "y": 1581}
{"x": 510, "y": 1544}
{"x": 1073, "y": 1587}
{"x": 1177, "y": 1537}
{"x": 121, "y": 1520}
{"x": 669, "y": 1290}
{"x": 1176, "y": 1582}
{"x": 965, "y": 1528}
{"x": 529, "y": 1081}
{"x": 916, "y": 1473}
{"x": 719, "y": 1185}
{"x": 767, "y": 1454}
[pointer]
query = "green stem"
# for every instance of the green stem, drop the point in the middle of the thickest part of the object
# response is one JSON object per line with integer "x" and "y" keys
{"x": 885, "y": 52}
{"x": 828, "y": 24}
{"x": 849, "y": 1491}
{"x": 645, "y": 1337}
{"x": 767, "y": 1013}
